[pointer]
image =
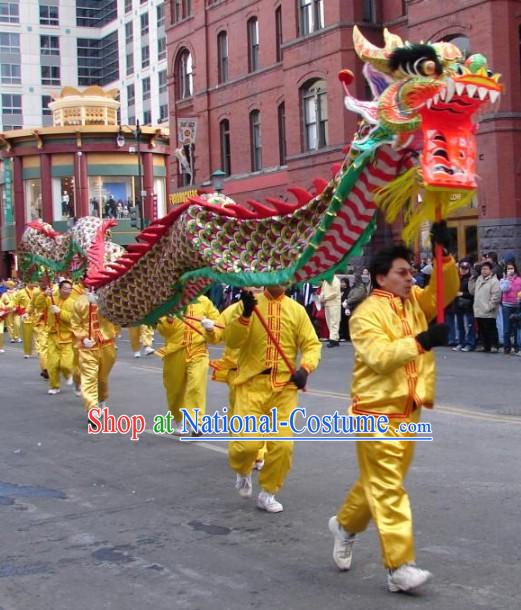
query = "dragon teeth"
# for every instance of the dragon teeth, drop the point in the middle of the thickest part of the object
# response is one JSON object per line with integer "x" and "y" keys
{"x": 471, "y": 89}
{"x": 429, "y": 103}
{"x": 442, "y": 94}
{"x": 460, "y": 87}
{"x": 449, "y": 90}
{"x": 493, "y": 95}
{"x": 436, "y": 99}
{"x": 482, "y": 92}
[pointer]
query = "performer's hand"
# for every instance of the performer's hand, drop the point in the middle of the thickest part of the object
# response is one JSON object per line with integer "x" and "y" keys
{"x": 249, "y": 302}
{"x": 55, "y": 309}
{"x": 207, "y": 324}
{"x": 299, "y": 378}
{"x": 434, "y": 336}
{"x": 48, "y": 292}
{"x": 440, "y": 235}
{"x": 92, "y": 297}
{"x": 88, "y": 342}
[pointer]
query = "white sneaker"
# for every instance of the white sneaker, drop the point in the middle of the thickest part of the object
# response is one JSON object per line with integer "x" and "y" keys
{"x": 457, "y": 348}
{"x": 137, "y": 354}
{"x": 267, "y": 502}
{"x": 244, "y": 486}
{"x": 77, "y": 392}
{"x": 2, "y": 351}
{"x": 26, "y": 356}
{"x": 406, "y": 577}
{"x": 149, "y": 350}
{"x": 69, "y": 380}
{"x": 18, "y": 341}
{"x": 53, "y": 391}
{"x": 343, "y": 545}
{"x": 259, "y": 465}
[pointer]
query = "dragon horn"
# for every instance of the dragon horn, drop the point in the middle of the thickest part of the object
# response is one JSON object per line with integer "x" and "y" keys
{"x": 378, "y": 57}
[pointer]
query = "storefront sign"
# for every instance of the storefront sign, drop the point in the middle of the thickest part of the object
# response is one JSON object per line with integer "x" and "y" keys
{"x": 8, "y": 192}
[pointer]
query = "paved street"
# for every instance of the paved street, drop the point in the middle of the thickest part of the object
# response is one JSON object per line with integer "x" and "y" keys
{"x": 98, "y": 522}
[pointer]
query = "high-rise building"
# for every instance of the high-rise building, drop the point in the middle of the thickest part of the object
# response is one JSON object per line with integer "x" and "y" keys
{"x": 48, "y": 44}
{"x": 255, "y": 94}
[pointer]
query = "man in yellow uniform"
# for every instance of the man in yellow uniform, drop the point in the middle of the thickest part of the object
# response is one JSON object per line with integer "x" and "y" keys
{"x": 60, "y": 354}
{"x": 331, "y": 297}
{"x": 95, "y": 336}
{"x": 264, "y": 382}
{"x": 38, "y": 311}
{"x": 22, "y": 301}
{"x": 185, "y": 363}
{"x": 393, "y": 375}
{"x": 138, "y": 336}
{"x": 12, "y": 320}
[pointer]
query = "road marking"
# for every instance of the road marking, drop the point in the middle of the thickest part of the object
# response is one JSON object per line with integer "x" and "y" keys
{"x": 202, "y": 444}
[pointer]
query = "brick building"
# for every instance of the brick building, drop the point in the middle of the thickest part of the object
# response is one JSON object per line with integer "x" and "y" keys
{"x": 258, "y": 81}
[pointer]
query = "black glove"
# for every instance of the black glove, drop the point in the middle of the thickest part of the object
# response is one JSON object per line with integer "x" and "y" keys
{"x": 435, "y": 335}
{"x": 249, "y": 302}
{"x": 299, "y": 378}
{"x": 440, "y": 234}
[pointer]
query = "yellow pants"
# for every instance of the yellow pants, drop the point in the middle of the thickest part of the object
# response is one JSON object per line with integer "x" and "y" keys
{"x": 27, "y": 336}
{"x": 13, "y": 326}
{"x": 333, "y": 321}
{"x": 95, "y": 366}
{"x": 257, "y": 397}
{"x": 185, "y": 383}
{"x": 76, "y": 375}
{"x": 60, "y": 358}
{"x": 140, "y": 336}
{"x": 379, "y": 495}
{"x": 40, "y": 344}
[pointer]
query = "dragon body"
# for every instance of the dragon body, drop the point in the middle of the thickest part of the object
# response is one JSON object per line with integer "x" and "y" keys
{"x": 416, "y": 140}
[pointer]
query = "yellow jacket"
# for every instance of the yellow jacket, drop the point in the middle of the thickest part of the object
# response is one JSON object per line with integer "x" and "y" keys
{"x": 7, "y": 302}
{"x": 59, "y": 324}
{"x": 291, "y": 326}
{"x": 87, "y": 322}
{"x": 228, "y": 361}
{"x": 391, "y": 372}
{"x": 180, "y": 335}
{"x": 22, "y": 300}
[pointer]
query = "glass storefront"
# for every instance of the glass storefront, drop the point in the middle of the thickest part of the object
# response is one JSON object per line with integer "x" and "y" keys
{"x": 112, "y": 196}
{"x": 33, "y": 199}
{"x": 63, "y": 200}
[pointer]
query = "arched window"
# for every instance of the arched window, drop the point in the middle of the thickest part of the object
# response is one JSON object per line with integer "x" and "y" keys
{"x": 278, "y": 34}
{"x": 314, "y": 114}
{"x": 461, "y": 41}
{"x": 255, "y": 141}
{"x": 222, "y": 57}
{"x": 226, "y": 151}
{"x": 184, "y": 78}
{"x": 253, "y": 44}
{"x": 281, "y": 120}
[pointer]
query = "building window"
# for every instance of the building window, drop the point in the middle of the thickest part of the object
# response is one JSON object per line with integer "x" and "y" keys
{"x": 49, "y": 45}
{"x": 9, "y": 42}
{"x": 130, "y": 63}
{"x": 11, "y": 104}
{"x": 281, "y": 120}
{"x": 278, "y": 34}
{"x": 9, "y": 12}
{"x": 146, "y": 88}
{"x": 48, "y": 15}
{"x": 33, "y": 198}
{"x": 314, "y": 113}
{"x": 255, "y": 141}
{"x": 404, "y": 7}
{"x": 180, "y": 9}
{"x": 128, "y": 6}
{"x": 131, "y": 95}
{"x": 129, "y": 32}
{"x": 46, "y": 100}
{"x": 163, "y": 113}
{"x": 10, "y": 74}
{"x": 226, "y": 150}
{"x": 368, "y": 11}
{"x": 184, "y": 77}
{"x": 311, "y": 16}
{"x": 98, "y": 60}
{"x": 162, "y": 81}
{"x": 161, "y": 48}
{"x": 253, "y": 44}
{"x": 147, "y": 117}
{"x": 145, "y": 56}
{"x": 144, "y": 23}
{"x": 222, "y": 57}
{"x": 50, "y": 75}
{"x": 160, "y": 12}
{"x": 95, "y": 13}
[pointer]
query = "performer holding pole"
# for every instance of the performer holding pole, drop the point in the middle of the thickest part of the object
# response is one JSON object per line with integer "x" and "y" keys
{"x": 393, "y": 375}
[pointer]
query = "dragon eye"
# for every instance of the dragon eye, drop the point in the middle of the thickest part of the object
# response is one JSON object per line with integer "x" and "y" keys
{"x": 490, "y": 73}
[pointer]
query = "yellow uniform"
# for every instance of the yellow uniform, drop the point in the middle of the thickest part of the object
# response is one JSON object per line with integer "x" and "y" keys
{"x": 12, "y": 319}
{"x": 60, "y": 355}
{"x": 138, "y": 336}
{"x": 185, "y": 364}
{"x": 22, "y": 301}
{"x": 262, "y": 380}
{"x": 78, "y": 290}
{"x": 96, "y": 361}
{"x": 393, "y": 376}
{"x": 38, "y": 311}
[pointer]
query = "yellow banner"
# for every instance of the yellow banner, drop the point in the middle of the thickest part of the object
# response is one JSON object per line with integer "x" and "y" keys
{"x": 181, "y": 196}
